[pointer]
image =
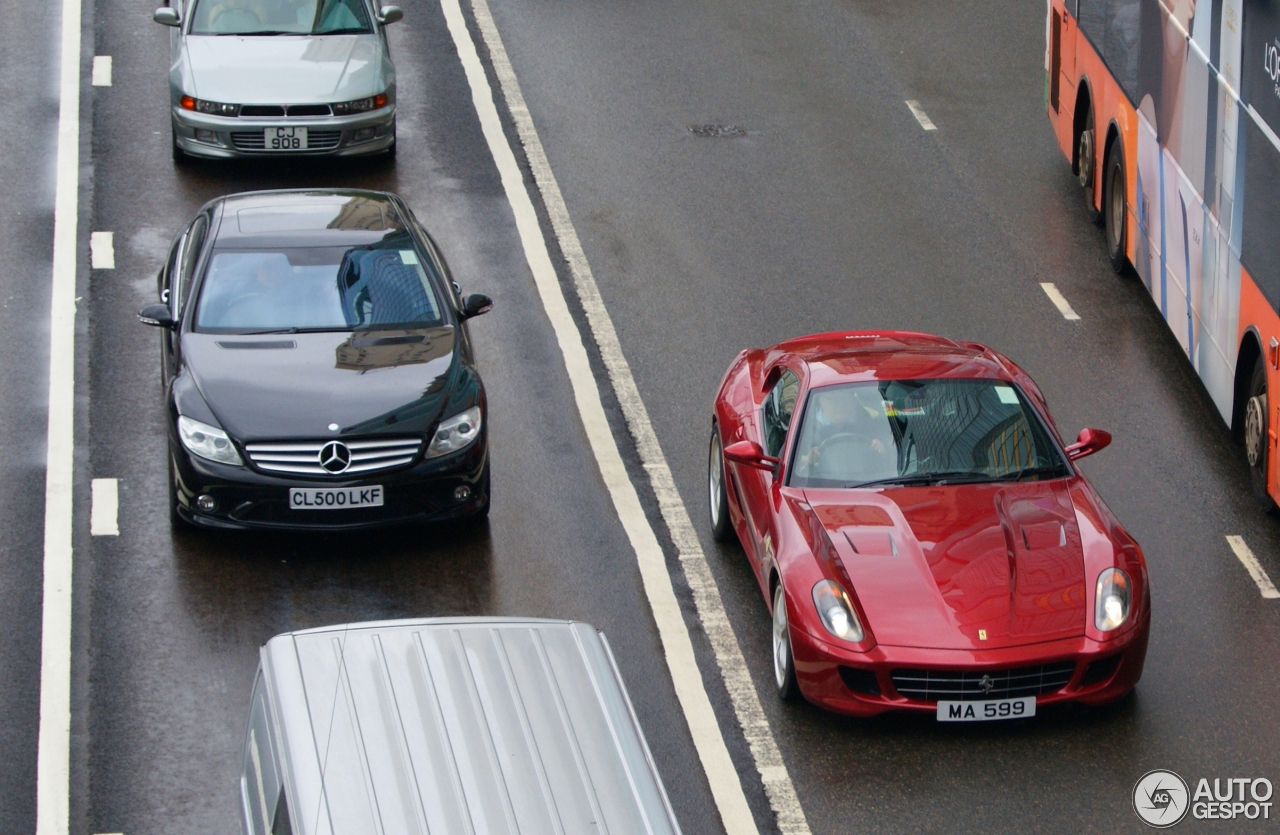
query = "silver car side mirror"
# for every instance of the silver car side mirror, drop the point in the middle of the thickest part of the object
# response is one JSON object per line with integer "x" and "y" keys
{"x": 390, "y": 14}
{"x": 166, "y": 16}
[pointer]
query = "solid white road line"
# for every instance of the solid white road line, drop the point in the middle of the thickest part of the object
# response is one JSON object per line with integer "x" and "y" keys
{"x": 1059, "y": 301}
{"x": 921, "y": 116}
{"x": 101, "y": 71}
{"x": 725, "y": 785}
{"x": 54, "y": 748}
{"x": 1245, "y": 554}
{"x": 104, "y": 517}
{"x": 102, "y": 250}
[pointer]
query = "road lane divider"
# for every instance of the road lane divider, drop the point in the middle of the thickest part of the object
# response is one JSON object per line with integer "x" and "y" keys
{"x": 726, "y": 786}
{"x": 921, "y": 116}
{"x": 53, "y": 748}
{"x": 101, "y": 76}
{"x": 1059, "y": 301}
{"x": 102, "y": 251}
{"x": 1259, "y": 574}
{"x": 104, "y": 513}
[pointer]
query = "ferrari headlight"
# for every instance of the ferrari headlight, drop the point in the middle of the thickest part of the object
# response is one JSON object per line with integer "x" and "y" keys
{"x": 1111, "y": 602}
{"x": 455, "y": 433}
{"x": 207, "y": 441}
{"x": 836, "y": 612}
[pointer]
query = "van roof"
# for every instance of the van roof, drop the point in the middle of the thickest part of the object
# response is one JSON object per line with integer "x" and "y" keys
{"x": 462, "y": 725}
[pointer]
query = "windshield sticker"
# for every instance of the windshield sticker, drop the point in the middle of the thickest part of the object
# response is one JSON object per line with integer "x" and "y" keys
{"x": 408, "y": 256}
{"x": 891, "y": 410}
{"x": 1007, "y": 395}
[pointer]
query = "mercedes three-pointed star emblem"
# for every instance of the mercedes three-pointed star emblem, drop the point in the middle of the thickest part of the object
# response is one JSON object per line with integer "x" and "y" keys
{"x": 335, "y": 457}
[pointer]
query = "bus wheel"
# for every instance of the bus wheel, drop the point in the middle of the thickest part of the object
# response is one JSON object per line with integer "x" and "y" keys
{"x": 1085, "y": 157}
{"x": 1255, "y": 436}
{"x": 1113, "y": 208}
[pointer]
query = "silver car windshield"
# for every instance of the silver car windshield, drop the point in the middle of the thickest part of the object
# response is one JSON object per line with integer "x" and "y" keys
{"x": 298, "y": 289}
{"x": 280, "y": 17}
{"x": 944, "y": 431}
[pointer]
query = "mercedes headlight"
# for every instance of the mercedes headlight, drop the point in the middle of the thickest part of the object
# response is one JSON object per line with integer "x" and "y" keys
{"x": 455, "y": 433}
{"x": 207, "y": 441}
{"x": 836, "y": 612}
{"x": 1111, "y": 603}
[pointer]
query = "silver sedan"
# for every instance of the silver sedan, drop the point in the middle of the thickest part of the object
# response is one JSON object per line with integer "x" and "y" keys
{"x": 254, "y": 78}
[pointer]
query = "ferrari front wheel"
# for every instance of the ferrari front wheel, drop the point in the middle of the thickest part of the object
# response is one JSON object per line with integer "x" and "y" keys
{"x": 718, "y": 498}
{"x": 1256, "y": 431}
{"x": 784, "y": 663}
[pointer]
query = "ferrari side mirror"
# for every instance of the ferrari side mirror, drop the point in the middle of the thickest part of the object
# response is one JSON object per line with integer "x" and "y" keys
{"x": 749, "y": 453}
{"x": 1088, "y": 442}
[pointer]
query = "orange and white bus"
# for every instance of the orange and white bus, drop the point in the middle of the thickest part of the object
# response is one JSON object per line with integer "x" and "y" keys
{"x": 1169, "y": 112}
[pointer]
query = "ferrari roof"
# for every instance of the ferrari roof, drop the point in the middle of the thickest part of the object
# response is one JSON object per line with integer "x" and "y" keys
{"x": 853, "y": 356}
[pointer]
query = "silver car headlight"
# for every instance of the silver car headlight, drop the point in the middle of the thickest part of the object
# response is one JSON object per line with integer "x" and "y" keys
{"x": 836, "y": 611}
{"x": 346, "y": 108}
{"x": 214, "y": 108}
{"x": 1111, "y": 602}
{"x": 455, "y": 433}
{"x": 207, "y": 441}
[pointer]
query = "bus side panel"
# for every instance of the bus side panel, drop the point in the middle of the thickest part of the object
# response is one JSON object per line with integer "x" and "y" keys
{"x": 1257, "y": 314}
{"x": 1062, "y": 119}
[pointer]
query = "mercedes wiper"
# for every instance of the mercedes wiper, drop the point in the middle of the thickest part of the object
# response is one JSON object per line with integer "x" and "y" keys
{"x": 264, "y": 333}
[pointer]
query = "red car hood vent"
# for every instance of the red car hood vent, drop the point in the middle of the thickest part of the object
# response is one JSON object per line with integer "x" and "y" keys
{"x": 962, "y": 567}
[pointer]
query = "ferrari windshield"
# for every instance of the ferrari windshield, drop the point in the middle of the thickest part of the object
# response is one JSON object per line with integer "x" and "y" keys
{"x": 921, "y": 432}
{"x": 280, "y": 17}
{"x": 337, "y": 288}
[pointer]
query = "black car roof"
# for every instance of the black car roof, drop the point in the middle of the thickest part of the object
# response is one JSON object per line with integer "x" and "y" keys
{"x": 315, "y": 217}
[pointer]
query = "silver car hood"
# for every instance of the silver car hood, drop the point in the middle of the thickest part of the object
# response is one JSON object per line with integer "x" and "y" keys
{"x": 284, "y": 69}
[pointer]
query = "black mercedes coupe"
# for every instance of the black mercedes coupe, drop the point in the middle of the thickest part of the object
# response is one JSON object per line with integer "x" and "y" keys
{"x": 317, "y": 367}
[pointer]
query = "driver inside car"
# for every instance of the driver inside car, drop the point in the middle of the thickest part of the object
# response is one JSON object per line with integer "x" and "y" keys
{"x": 849, "y": 423}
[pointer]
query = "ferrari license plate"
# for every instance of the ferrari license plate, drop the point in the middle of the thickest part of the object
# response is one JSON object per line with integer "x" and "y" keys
{"x": 330, "y": 498}
{"x": 987, "y": 711}
{"x": 285, "y": 139}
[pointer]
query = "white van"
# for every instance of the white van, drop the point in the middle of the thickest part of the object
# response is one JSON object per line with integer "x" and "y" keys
{"x": 450, "y": 725}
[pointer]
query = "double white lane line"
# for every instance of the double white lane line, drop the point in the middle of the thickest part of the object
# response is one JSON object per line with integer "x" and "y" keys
{"x": 54, "y": 747}
{"x": 725, "y": 785}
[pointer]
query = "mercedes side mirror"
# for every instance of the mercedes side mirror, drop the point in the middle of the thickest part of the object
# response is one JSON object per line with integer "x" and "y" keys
{"x": 476, "y": 304}
{"x": 1088, "y": 442}
{"x": 166, "y": 16}
{"x": 158, "y": 315}
{"x": 390, "y": 14}
{"x": 749, "y": 453}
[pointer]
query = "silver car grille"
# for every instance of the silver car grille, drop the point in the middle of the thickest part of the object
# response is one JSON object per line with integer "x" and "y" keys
{"x": 317, "y": 140}
{"x": 305, "y": 457}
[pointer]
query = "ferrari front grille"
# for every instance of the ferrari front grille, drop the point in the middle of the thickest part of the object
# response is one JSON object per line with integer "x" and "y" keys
{"x": 970, "y": 685}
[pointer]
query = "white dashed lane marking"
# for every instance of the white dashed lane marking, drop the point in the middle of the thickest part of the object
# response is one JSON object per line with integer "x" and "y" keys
{"x": 102, "y": 251}
{"x": 104, "y": 515}
{"x": 921, "y": 116}
{"x": 1245, "y": 554}
{"x": 102, "y": 71}
{"x": 1060, "y": 302}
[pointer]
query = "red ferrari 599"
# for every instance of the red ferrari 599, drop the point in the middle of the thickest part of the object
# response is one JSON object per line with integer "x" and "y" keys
{"x": 920, "y": 531}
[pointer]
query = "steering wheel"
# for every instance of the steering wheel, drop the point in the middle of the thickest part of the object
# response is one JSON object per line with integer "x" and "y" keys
{"x": 837, "y": 452}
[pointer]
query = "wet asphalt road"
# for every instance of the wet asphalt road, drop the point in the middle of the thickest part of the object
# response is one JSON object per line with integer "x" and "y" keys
{"x": 835, "y": 210}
